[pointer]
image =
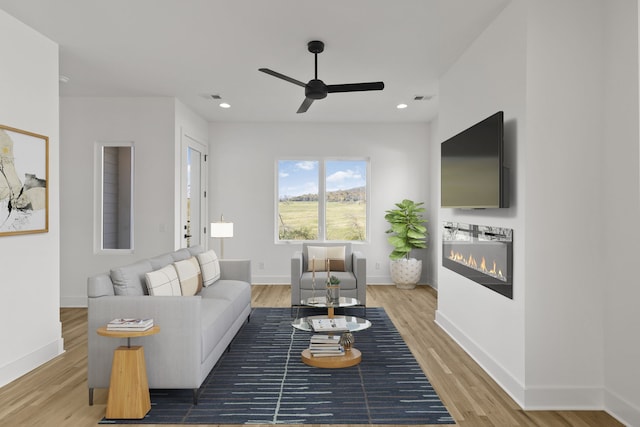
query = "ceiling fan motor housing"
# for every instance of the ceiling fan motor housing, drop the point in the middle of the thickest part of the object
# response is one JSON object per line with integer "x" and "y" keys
{"x": 315, "y": 89}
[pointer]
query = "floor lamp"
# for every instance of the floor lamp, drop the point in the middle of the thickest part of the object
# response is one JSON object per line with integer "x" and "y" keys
{"x": 221, "y": 230}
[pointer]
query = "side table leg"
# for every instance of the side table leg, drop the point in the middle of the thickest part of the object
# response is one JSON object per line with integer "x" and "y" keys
{"x": 128, "y": 387}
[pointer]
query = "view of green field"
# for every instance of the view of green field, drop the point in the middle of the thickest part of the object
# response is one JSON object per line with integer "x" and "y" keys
{"x": 299, "y": 220}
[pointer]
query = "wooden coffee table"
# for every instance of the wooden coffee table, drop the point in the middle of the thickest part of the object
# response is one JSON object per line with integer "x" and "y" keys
{"x": 128, "y": 387}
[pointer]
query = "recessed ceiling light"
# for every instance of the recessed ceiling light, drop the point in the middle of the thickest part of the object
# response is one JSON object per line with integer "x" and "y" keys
{"x": 225, "y": 105}
{"x": 401, "y": 106}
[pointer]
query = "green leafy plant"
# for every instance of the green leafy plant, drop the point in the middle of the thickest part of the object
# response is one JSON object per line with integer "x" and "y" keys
{"x": 407, "y": 226}
{"x": 333, "y": 280}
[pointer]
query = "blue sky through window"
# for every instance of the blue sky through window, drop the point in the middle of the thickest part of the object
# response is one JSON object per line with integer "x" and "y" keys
{"x": 297, "y": 177}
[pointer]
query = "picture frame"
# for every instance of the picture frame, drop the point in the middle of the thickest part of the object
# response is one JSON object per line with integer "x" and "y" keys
{"x": 24, "y": 182}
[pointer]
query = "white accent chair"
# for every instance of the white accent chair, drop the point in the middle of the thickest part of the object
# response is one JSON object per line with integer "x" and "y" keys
{"x": 353, "y": 280}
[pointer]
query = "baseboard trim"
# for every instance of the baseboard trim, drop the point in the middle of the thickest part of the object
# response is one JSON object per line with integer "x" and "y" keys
{"x": 73, "y": 302}
{"x": 621, "y": 410}
{"x": 14, "y": 370}
{"x": 564, "y": 399}
{"x": 504, "y": 379}
{"x": 543, "y": 398}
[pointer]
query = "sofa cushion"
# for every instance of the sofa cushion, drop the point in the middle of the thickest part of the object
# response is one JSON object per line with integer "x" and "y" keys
{"x": 160, "y": 261}
{"x": 318, "y": 256}
{"x": 130, "y": 279}
{"x": 181, "y": 254}
{"x": 210, "y": 267}
{"x": 188, "y": 272}
{"x": 235, "y": 292}
{"x": 195, "y": 250}
{"x": 347, "y": 281}
{"x": 163, "y": 282}
{"x": 217, "y": 318}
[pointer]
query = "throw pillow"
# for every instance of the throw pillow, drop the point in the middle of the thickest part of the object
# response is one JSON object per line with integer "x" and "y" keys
{"x": 189, "y": 275}
{"x": 210, "y": 267}
{"x": 318, "y": 256}
{"x": 129, "y": 279}
{"x": 163, "y": 282}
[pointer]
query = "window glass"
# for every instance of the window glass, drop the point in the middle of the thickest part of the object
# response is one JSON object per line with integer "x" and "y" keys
{"x": 346, "y": 199}
{"x": 324, "y": 200}
{"x": 298, "y": 200}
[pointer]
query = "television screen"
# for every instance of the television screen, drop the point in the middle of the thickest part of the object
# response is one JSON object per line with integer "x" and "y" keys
{"x": 471, "y": 166}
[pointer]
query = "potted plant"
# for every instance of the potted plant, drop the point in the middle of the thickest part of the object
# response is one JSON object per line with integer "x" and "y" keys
{"x": 333, "y": 290}
{"x": 408, "y": 233}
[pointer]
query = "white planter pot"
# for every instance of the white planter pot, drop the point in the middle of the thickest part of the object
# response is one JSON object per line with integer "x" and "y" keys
{"x": 405, "y": 273}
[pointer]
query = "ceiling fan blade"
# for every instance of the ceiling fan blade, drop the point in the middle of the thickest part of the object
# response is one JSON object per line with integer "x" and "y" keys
{"x": 282, "y": 76}
{"x": 305, "y": 105}
{"x": 355, "y": 87}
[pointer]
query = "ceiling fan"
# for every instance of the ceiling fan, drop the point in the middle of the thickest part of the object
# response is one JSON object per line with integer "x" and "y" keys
{"x": 317, "y": 89}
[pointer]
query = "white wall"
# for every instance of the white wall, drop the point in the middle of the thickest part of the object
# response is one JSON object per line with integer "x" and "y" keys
{"x": 242, "y": 174}
{"x": 29, "y": 264}
{"x": 490, "y": 76}
{"x": 149, "y": 123}
{"x": 566, "y": 75}
{"x": 621, "y": 207}
{"x": 564, "y": 312}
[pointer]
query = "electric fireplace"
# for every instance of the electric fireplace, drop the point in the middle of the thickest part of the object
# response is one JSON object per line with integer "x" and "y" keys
{"x": 480, "y": 253}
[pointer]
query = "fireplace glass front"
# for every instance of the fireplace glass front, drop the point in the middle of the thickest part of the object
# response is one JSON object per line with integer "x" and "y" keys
{"x": 481, "y": 253}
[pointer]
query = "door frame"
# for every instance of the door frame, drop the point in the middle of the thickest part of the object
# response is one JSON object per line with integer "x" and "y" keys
{"x": 187, "y": 141}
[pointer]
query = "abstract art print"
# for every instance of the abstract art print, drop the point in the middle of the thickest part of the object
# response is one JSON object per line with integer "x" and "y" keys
{"x": 24, "y": 175}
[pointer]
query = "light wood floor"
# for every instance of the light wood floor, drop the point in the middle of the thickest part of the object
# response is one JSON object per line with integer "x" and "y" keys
{"x": 56, "y": 393}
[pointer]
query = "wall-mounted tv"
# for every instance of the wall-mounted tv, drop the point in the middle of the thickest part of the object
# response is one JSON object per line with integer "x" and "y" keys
{"x": 472, "y": 172}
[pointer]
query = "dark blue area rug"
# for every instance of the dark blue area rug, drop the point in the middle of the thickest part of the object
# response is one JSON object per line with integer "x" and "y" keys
{"x": 261, "y": 380}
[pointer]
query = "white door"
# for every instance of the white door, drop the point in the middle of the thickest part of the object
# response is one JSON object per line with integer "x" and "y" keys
{"x": 193, "y": 205}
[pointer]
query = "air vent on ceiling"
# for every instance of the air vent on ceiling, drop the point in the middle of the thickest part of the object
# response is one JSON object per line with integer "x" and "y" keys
{"x": 422, "y": 97}
{"x": 211, "y": 96}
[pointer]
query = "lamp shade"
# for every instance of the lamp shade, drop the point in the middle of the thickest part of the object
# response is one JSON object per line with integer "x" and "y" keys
{"x": 221, "y": 229}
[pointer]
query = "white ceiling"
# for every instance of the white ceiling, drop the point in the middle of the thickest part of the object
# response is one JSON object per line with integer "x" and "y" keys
{"x": 189, "y": 48}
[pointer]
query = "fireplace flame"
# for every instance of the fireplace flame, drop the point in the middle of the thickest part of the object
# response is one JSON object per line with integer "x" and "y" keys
{"x": 471, "y": 262}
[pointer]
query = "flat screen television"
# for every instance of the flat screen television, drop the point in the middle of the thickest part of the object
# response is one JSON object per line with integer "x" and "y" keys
{"x": 472, "y": 172}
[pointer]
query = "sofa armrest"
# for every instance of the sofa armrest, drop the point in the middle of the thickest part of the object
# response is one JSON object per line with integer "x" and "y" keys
{"x": 360, "y": 271}
{"x": 179, "y": 343}
{"x": 100, "y": 285}
{"x": 235, "y": 269}
{"x": 296, "y": 274}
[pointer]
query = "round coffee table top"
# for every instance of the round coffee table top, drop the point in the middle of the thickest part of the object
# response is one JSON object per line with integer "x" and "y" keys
{"x": 354, "y": 324}
{"x": 322, "y": 302}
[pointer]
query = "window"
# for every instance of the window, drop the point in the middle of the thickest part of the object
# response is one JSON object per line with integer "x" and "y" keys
{"x": 323, "y": 200}
{"x": 114, "y": 186}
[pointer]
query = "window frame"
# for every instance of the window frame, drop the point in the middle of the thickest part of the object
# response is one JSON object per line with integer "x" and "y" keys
{"x": 322, "y": 198}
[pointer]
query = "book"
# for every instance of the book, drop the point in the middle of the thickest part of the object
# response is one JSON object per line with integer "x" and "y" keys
{"x": 332, "y": 349}
{"x": 325, "y": 339}
{"x": 130, "y": 325}
{"x": 336, "y": 324}
{"x": 327, "y": 354}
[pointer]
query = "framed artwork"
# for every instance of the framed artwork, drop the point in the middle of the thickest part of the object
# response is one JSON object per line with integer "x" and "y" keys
{"x": 24, "y": 182}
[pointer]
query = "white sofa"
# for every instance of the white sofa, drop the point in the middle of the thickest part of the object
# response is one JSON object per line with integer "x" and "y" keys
{"x": 194, "y": 330}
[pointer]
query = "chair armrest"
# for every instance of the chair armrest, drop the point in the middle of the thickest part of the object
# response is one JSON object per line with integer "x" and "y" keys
{"x": 235, "y": 269}
{"x": 360, "y": 271}
{"x": 296, "y": 274}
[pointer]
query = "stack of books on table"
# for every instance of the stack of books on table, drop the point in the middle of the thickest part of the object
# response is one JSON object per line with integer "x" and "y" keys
{"x": 325, "y": 345}
{"x": 336, "y": 324}
{"x": 131, "y": 325}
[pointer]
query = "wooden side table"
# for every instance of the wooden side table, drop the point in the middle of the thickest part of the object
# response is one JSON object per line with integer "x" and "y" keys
{"x": 128, "y": 386}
